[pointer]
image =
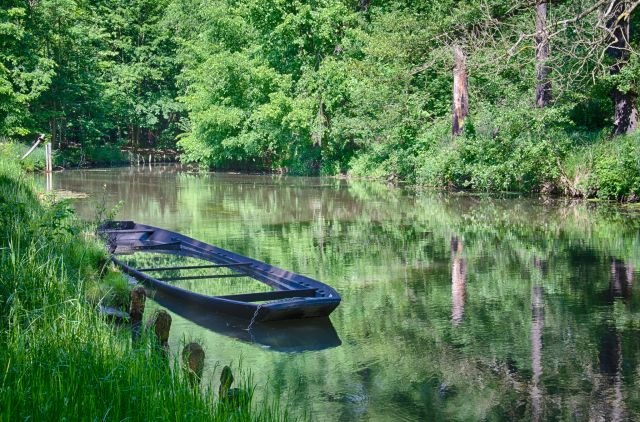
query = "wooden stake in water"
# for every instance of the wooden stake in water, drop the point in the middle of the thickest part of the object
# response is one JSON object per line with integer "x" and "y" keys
{"x": 193, "y": 362}
{"x": 48, "y": 167}
{"x": 161, "y": 324}
{"x": 226, "y": 379}
{"x": 231, "y": 396}
{"x": 136, "y": 310}
{"x": 47, "y": 155}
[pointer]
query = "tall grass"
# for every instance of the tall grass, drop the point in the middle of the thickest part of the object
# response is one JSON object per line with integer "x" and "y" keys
{"x": 13, "y": 151}
{"x": 58, "y": 358}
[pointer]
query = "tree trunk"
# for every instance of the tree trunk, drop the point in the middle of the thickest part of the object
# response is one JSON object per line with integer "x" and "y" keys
{"x": 364, "y": 5}
{"x": 460, "y": 107}
{"x": 53, "y": 127}
{"x": 543, "y": 87}
{"x": 625, "y": 103}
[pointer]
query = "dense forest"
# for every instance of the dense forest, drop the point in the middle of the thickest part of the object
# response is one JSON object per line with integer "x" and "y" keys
{"x": 494, "y": 95}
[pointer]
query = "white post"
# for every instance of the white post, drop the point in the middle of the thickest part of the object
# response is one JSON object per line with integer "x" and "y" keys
{"x": 47, "y": 157}
{"x": 48, "y": 167}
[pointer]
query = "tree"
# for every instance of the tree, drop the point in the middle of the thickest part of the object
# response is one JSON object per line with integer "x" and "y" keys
{"x": 543, "y": 87}
{"x": 460, "y": 107}
{"x": 619, "y": 50}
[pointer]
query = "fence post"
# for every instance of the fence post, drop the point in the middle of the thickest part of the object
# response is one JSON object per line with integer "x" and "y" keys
{"x": 136, "y": 310}
{"x": 161, "y": 324}
{"x": 193, "y": 361}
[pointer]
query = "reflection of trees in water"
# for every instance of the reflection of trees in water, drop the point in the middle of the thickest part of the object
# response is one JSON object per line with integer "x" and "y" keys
{"x": 151, "y": 193}
{"x": 610, "y": 401}
{"x": 621, "y": 279}
{"x": 537, "y": 325}
{"x": 609, "y": 387}
{"x": 458, "y": 280}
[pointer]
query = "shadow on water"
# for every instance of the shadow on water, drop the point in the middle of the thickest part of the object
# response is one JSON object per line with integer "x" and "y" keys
{"x": 283, "y": 336}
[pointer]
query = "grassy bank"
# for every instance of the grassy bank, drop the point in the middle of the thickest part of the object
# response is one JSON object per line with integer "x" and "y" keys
{"x": 59, "y": 359}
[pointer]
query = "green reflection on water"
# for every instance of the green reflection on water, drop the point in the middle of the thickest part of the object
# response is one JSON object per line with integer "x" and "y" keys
{"x": 454, "y": 307}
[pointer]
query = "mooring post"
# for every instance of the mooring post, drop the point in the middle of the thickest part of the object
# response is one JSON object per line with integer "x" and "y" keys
{"x": 231, "y": 396}
{"x": 136, "y": 310}
{"x": 160, "y": 322}
{"x": 226, "y": 379}
{"x": 193, "y": 362}
{"x": 48, "y": 167}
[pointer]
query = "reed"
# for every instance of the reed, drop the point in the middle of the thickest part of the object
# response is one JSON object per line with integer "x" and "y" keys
{"x": 59, "y": 359}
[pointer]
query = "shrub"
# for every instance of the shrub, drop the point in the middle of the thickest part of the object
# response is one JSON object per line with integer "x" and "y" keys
{"x": 616, "y": 169}
{"x": 501, "y": 150}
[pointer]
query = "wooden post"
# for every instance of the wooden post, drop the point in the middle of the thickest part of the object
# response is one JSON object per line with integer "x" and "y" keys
{"x": 160, "y": 322}
{"x": 136, "y": 310}
{"x": 47, "y": 158}
{"x": 193, "y": 362}
{"x": 460, "y": 106}
{"x": 231, "y": 396}
{"x": 48, "y": 167}
{"x": 226, "y": 379}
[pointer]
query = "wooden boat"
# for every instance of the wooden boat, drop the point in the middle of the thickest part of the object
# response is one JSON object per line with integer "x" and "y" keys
{"x": 293, "y": 295}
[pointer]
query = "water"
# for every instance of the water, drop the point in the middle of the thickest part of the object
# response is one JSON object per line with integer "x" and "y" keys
{"x": 454, "y": 306}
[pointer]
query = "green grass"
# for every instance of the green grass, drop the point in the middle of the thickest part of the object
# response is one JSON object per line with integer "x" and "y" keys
{"x": 59, "y": 359}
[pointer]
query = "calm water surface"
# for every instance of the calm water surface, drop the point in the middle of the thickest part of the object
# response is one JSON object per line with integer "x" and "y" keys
{"x": 454, "y": 307}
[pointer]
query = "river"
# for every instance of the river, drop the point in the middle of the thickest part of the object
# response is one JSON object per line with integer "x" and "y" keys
{"x": 454, "y": 306}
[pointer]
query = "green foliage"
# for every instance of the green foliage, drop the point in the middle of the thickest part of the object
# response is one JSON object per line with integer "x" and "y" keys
{"x": 90, "y": 74}
{"x": 616, "y": 169}
{"x": 308, "y": 88}
{"x": 369, "y": 94}
{"x": 12, "y": 152}
{"x": 502, "y": 150}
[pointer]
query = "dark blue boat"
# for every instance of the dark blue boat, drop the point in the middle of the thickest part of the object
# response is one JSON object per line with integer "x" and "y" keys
{"x": 293, "y": 295}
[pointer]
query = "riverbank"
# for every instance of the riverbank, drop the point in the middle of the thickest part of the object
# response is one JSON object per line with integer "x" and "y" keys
{"x": 61, "y": 359}
{"x": 582, "y": 165}
{"x": 78, "y": 157}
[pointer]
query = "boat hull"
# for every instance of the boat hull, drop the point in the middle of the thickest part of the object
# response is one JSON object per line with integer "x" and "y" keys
{"x": 300, "y": 296}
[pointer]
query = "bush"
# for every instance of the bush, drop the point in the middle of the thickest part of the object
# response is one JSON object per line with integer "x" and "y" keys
{"x": 616, "y": 169}
{"x": 501, "y": 150}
